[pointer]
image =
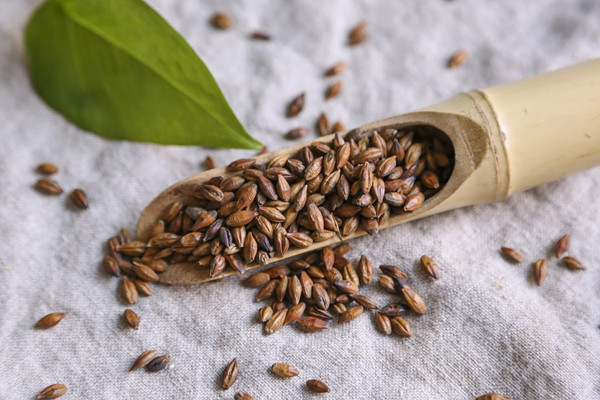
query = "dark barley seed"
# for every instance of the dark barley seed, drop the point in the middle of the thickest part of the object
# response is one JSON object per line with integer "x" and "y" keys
{"x": 158, "y": 363}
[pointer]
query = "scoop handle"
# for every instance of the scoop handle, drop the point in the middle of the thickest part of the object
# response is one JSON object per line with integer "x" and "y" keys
{"x": 548, "y": 125}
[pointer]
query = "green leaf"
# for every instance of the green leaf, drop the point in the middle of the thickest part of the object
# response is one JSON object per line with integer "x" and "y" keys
{"x": 118, "y": 69}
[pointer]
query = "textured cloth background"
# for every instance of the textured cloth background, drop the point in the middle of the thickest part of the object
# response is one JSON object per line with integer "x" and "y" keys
{"x": 488, "y": 326}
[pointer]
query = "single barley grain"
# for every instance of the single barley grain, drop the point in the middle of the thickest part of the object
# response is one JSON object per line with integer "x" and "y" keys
{"x": 512, "y": 254}
{"x": 492, "y": 396}
{"x": 358, "y": 34}
{"x": 48, "y": 186}
{"x": 143, "y": 360}
{"x": 572, "y": 263}
{"x": 401, "y": 327}
{"x": 133, "y": 320}
{"x": 333, "y": 90}
{"x": 129, "y": 291}
{"x": 350, "y": 314}
{"x": 79, "y": 198}
{"x": 296, "y": 105}
{"x": 317, "y": 386}
{"x": 243, "y": 396}
{"x": 260, "y": 35}
{"x": 297, "y": 133}
{"x": 562, "y": 246}
{"x": 53, "y": 391}
{"x": 230, "y": 374}
{"x": 458, "y": 58}
{"x": 430, "y": 267}
{"x": 336, "y": 69}
{"x": 383, "y": 323}
{"x": 50, "y": 320}
{"x": 47, "y": 169}
{"x": 323, "y": 126}
{"x": 210, "y": 162}
{"x": 337, "y": 127}
{"x": 276, "y": 321}
{"x": 158, "y": 363}
{"x": 221, "y": 21}
{"x": 284, "y": 370}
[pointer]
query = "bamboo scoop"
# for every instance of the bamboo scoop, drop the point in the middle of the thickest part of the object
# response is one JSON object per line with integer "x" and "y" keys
{"x": 506, "y": 139}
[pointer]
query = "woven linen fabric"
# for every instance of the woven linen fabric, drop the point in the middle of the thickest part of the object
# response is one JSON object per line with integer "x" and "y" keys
{"x": 488, "y": 328}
